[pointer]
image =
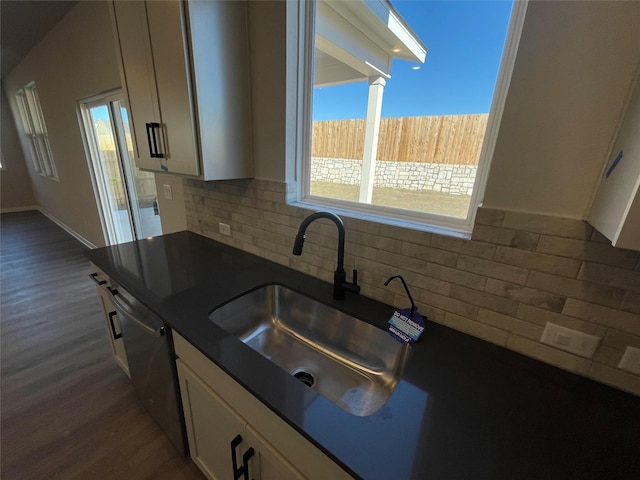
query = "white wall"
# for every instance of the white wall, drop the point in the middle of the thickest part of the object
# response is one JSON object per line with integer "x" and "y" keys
{"x": 172, "y": 211}
{"x": 76, "y": 59}
{"x": 573, "y": 70}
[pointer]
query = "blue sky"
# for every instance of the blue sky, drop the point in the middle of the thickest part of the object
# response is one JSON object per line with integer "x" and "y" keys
{"x": 102, "y": 113}
{"x": 464, "y": 40}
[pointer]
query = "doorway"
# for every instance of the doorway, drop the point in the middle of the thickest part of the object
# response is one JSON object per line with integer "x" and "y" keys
{"x": 126, "y": 196}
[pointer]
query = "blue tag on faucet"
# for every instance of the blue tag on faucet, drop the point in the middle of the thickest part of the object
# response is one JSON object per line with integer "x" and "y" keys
{"x": 405, "y": 328}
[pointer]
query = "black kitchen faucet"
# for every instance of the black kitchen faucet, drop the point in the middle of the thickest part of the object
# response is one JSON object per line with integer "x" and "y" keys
{"x": 340, "y": 284}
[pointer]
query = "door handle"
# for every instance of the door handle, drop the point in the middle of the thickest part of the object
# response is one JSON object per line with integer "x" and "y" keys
{"x": 116, "y": 336}
{"x": 152, "y": 139}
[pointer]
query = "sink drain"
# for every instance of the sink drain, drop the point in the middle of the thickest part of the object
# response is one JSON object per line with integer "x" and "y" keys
{"x": 305, "y": 376}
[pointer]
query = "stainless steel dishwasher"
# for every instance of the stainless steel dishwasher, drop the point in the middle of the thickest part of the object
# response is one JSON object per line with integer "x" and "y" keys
{"x": 149, "y": 348}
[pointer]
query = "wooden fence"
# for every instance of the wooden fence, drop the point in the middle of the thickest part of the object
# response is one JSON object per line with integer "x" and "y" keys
{"x": 448, "y": 139}
{"x": 145, "y": 183}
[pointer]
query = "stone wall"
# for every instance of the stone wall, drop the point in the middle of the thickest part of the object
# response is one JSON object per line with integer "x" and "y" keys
{"x": 518, "y": 271}
{"x": 439, "y": 177}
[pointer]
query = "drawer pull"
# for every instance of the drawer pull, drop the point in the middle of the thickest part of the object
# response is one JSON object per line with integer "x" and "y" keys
{"x": 94, "y": 277}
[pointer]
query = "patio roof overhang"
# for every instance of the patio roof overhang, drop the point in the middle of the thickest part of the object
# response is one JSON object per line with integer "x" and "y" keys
{"x": 356, "y": 40}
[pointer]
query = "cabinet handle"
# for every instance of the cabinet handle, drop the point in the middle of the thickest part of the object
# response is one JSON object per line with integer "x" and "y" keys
{"x": 243, "y": 470}
{"x": 94, "y": 277}
{"x": 245, "y": 462}
{"x": 153, "y": 141}
{"x": 112, "y": 291}
{"x": 237, "y": 472}
{"x": 115, "y": 335}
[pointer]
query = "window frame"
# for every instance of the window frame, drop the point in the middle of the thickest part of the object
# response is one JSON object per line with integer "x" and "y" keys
{"x": 299, "y": 108}
{"x": 35, "y": 128}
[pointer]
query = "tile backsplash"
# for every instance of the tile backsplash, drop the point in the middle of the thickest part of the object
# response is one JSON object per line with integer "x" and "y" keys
{"x": 518, "y": 272}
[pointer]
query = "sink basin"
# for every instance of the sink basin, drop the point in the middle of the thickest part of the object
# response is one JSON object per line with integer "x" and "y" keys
{"x": 350, "y": 362}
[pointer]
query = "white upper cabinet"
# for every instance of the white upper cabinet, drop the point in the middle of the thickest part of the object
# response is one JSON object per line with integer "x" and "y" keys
{"x": 185, "y": 66}
{"x": 616, "y": 208}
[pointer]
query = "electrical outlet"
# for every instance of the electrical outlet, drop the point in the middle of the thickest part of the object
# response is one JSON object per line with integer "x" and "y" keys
{"x": 631, "y": 360}
{"x": 570, "y": 340}
{"x": 168, "y": 194}
{"x": 224, "y": 228}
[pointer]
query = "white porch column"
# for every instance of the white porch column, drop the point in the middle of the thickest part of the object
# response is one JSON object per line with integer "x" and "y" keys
{"x": 371, "y": 134}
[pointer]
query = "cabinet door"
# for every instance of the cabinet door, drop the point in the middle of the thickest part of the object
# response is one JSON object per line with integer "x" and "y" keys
{"x": 170, "y": 48}
{"x": 137, "y": 68}
{"x": 211, "y": 426}
{"x": 616, "y": 208}
{"x": 113, "y": 329}
{"x": 267, "y": 463}
{"x": 220, "y": 66}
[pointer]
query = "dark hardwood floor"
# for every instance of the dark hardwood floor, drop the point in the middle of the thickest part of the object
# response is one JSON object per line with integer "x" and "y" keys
{"x": 67, "y": 410}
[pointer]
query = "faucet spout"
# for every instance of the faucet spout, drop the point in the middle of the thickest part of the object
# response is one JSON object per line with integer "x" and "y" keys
{"x": 340, "y": 285}
{"x": 300, "y": 237}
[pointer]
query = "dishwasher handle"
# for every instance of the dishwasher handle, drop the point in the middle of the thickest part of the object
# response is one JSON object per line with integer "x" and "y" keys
{"x": 130, "y": 313}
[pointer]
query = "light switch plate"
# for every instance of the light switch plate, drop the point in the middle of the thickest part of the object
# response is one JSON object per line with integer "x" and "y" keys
{"x": 570, "y": 340}
{"x": 168, "y": 194}
{"x": 631, "y": 360}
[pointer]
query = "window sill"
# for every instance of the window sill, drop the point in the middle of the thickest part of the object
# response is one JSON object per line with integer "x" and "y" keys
{"x": 399, "y": 218}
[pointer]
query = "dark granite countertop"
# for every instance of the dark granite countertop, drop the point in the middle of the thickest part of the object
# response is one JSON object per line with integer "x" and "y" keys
{"x": 464, "y": 408}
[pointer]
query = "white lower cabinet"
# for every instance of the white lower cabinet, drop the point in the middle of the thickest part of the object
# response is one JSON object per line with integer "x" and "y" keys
{"x": 220, "y": 442}
{"x": 225, "y": 421}
{"x": 114, "y": 331}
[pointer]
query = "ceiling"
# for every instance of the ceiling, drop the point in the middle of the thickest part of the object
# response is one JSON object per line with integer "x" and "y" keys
{"x": 23, "y": 24}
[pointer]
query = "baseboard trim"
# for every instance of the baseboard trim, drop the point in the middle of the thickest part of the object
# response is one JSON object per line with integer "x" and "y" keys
{"x": 70, "y": 231}
{"x": 28, "y": 208}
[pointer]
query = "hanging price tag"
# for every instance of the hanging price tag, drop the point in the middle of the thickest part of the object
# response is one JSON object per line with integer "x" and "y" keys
{"x": 405, "y": 328}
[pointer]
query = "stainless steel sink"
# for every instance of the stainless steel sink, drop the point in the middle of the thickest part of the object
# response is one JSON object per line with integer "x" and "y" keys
{"x": 348, "y": 361}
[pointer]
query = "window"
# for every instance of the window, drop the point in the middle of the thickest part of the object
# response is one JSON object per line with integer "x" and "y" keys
{"x": 36, "y": 129}
{"x": 385, "y": 133}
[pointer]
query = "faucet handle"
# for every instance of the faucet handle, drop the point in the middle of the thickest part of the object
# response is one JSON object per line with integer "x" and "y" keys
{"x": 353, "y": 287}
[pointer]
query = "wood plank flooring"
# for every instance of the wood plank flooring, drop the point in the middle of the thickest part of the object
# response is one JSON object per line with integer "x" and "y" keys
{"x": 67, "y": 411}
